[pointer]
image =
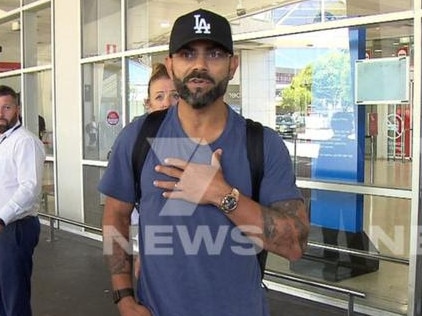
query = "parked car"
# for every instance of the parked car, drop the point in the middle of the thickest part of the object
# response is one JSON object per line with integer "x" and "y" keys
{"x": 285, "y": 125}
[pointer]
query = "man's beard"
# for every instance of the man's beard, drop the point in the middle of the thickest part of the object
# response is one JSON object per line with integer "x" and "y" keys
{"x": 200, "y": 99}
{"x": 5, "y": 125}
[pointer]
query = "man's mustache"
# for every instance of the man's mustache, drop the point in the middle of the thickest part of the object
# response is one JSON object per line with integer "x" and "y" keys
{"x": 198, "y": 75}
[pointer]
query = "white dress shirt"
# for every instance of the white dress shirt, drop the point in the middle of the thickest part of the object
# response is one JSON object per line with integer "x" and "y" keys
{"x": 21, "y": 170}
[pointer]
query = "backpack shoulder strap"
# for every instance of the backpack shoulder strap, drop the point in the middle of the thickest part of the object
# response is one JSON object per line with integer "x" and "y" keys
{"x": 142, "y": 146}
{"x": 255, "y": 150}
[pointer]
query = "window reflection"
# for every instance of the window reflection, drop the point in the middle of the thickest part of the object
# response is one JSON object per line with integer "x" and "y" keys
{"x": 279, "y": 15}
{"x": 102, "y": 107}
{"x": 37, "y": 37}
{"x": 315, "y": 83}
{"x": 9, "y": 5}
{"x": 48, "y": 193}
{"x": 101, "y": 27}
{"x": 139, "y": 70}
{"x": 93, "y": 201}
{"x": 386, "y": 231}
{"x": 10, "y": 41}
{"x": 38, "y": 107}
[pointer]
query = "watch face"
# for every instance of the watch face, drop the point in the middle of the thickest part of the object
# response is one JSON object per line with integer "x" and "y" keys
{"x": 229, "y": 204}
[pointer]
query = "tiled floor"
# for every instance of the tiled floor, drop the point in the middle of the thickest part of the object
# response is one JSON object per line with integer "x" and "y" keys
{"x": 70, "y": 279}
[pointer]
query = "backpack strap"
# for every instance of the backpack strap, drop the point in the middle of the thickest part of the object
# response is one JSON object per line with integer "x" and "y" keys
{"x": 142, "y": 145}
{"x": 255, "y": 150}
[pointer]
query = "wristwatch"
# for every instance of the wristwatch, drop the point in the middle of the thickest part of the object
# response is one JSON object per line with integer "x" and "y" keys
{"x": 119, "y": 294}
{"x": 229, "y": 202}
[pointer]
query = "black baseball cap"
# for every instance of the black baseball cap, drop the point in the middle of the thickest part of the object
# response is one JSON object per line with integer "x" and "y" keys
{"x": 200, "y": 25}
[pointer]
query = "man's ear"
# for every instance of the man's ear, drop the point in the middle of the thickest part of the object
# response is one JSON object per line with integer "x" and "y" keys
{"x": 169, "y": 66}
{"x": 234, "y": 63}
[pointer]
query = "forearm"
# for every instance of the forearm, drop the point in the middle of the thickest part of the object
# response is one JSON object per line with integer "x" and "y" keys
{"x": 281, "y": 228}
{"x": 117, "y": 243}
{"x": 286, "y": 228}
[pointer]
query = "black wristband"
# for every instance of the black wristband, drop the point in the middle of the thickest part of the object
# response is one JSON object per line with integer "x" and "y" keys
{"x": 119, "y": 294}
{"x": 2, "y": 223}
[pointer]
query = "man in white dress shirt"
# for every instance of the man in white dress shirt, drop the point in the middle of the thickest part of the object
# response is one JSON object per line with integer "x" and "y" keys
{"x": 21, "y": 169}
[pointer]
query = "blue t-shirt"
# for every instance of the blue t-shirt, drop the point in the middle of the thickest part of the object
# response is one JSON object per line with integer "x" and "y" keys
{"x": 194, "y": 261}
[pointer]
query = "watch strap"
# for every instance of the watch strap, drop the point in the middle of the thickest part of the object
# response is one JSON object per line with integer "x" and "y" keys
{"x": 119, "y": 294}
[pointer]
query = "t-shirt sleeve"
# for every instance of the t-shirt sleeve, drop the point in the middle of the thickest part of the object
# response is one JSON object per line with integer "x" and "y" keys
{"x": 279, "y": 182}
{"x": 118, "y": 180}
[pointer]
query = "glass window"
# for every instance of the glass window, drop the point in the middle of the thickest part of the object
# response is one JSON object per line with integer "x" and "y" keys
{"x": 28, "y": 1}
{"x": 279, "y": 15}
{"x": 37, "y": 37}
{"x": 138, "y": 75}
{"x": 101, "y": 27}
{"x": 137, "y": 20}
{"x": 139, "y": 70}
{"x": 38, "y": 107}
{"x": 93, "y": 200}
{"x": 328, "y": 136}
{"x": 14, "y": 82}
{"x": 8, "y": 5}
{"x": 48, "y": 194}
{"x": 385, "y": 231}
{"x": 10, "y": 31}
{"x": 102, "y": 107}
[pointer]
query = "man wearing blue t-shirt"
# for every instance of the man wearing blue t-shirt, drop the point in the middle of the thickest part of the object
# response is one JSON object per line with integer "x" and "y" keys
{"x": 199, "y": 228}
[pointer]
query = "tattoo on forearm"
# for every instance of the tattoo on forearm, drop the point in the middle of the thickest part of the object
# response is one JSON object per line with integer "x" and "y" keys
{"x": 287, "y": 211}
{"x": 120, "y": 262}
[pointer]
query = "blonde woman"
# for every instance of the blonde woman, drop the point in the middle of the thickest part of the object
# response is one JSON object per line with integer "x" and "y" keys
{"x": 161, "y": 90}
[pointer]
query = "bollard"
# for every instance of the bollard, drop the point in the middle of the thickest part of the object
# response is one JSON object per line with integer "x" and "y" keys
{"x": 52, "y": 238}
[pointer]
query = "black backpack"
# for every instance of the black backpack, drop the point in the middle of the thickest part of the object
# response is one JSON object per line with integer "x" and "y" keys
{"x": 255, "y": 150}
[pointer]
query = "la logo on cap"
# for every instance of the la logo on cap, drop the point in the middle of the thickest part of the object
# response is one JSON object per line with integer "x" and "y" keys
{"x": 201, "y": 26}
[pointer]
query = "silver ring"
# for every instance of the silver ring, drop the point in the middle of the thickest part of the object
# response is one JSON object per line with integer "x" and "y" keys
{"x": 175, "y": 185}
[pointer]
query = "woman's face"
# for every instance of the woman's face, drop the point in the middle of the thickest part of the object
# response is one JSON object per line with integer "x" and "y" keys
{"x": 162, "y": 94}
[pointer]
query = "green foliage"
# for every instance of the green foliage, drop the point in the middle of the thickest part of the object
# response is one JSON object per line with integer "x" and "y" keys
{"x": 326, "y": 81}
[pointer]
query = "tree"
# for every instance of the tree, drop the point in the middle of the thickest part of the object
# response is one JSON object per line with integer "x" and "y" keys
{"x": 298, "y": 95}
{"x": 331, "y": 81}
{"x": 326, "y": 82}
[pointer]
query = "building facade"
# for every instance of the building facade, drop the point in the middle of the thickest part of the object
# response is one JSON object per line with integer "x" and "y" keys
{"x": 346, "y": 74}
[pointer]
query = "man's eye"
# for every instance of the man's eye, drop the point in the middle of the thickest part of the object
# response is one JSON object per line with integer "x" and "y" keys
{"x": 187, "y": 54}
{"x": 215, "y": 54}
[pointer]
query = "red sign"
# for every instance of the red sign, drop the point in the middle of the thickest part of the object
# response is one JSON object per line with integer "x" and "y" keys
{"x": 113, "y": 117}
{"x": 7, "y": 66}
{"x": 402, "y": 51}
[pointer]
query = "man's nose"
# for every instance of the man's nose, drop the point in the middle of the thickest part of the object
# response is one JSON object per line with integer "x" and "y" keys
{"x": 200, "y": 62}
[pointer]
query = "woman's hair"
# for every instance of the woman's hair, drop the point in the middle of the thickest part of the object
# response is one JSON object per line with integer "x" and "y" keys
{"x": 159, "y": 71}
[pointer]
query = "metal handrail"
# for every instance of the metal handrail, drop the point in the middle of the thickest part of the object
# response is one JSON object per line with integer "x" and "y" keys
{"x": 54, "y": 218}
{"x": 351, "y": 293}
{"x": 359, "y": 253}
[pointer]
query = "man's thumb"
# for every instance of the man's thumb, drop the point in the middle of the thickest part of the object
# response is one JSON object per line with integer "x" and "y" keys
{"x": 216, "y": 157}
